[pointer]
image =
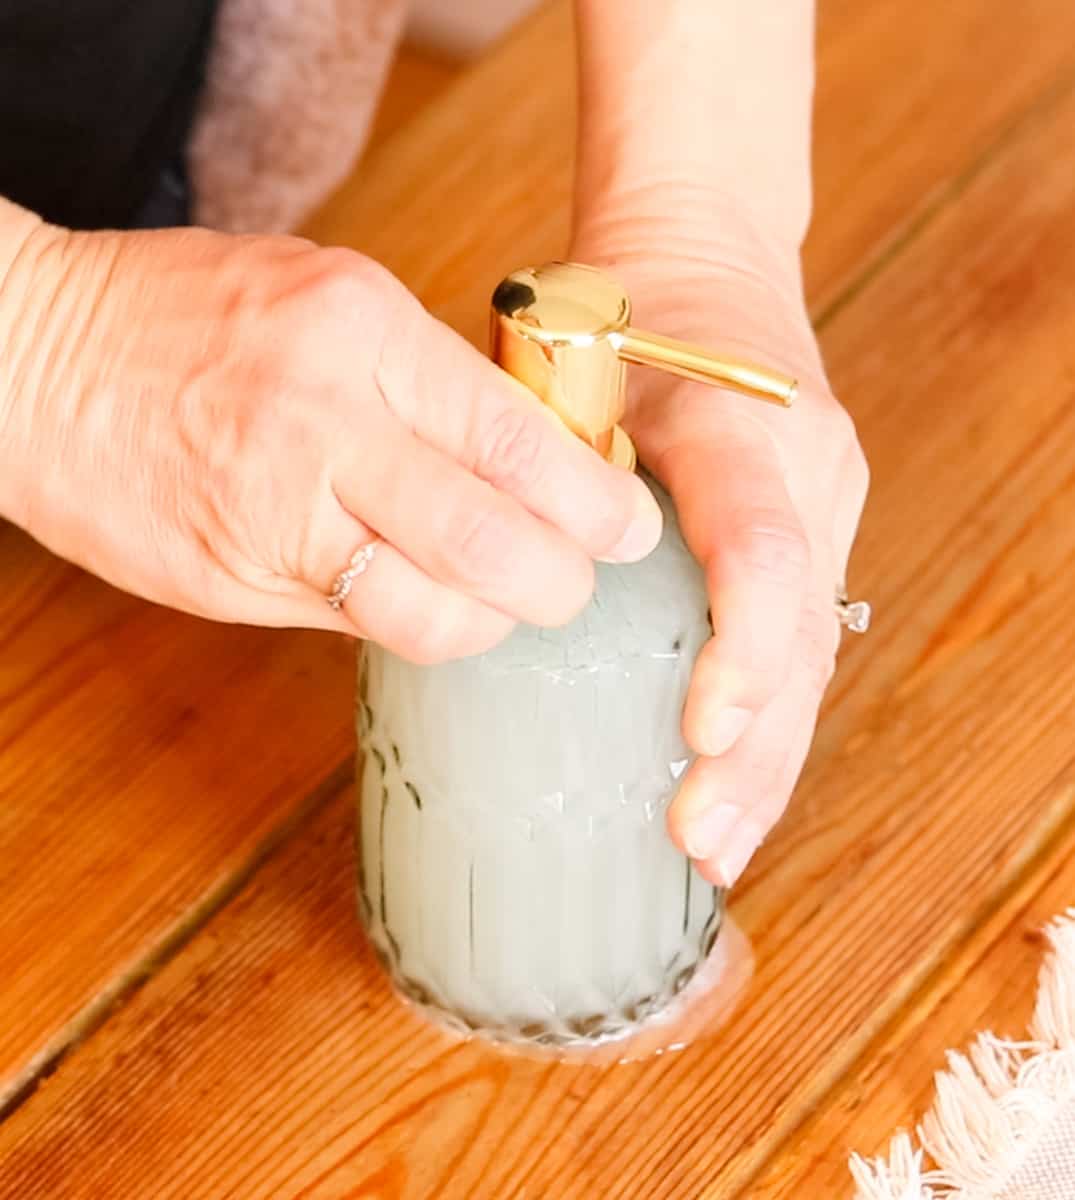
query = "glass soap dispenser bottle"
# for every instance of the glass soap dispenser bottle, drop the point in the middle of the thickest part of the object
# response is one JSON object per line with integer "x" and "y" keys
{"x": 515, "y": 874}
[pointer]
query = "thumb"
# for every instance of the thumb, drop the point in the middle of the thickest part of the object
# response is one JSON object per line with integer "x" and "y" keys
{"x": 739, "y": 521}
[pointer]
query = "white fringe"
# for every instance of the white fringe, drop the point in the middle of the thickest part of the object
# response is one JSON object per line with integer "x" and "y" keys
{"x": 994, "y": 1105}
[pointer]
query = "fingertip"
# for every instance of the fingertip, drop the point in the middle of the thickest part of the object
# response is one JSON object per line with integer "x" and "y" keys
{"x": 719, "y": 836}
{"x": 694, "y": 796}
{"x": 644, "y": 529}
{"x": 709, "y": 872}
{"x": 707, "y": 831}
{"x": 731, "y": 859}
{"x": 722, "y": 842}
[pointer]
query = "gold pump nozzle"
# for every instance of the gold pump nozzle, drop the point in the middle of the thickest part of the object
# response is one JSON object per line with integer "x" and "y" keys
{"x": 564, "y": 330}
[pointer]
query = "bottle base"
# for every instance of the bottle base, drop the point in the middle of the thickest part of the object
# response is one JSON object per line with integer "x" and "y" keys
{"x": 560, "y": 1035}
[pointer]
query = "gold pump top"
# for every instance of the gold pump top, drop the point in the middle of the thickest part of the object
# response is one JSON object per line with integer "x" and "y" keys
{"x": 564, "y": 330}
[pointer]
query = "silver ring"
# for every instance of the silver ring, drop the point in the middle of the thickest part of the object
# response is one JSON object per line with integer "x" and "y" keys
{"x": 853, "y": 615}
{"x": 345, "y": 581}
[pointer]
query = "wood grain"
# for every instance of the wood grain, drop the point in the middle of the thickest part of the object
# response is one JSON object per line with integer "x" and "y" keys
{"x": 146, "y": 758}
{"x": 417, "y": 78}
{"x": 121, "y": 805}
{"x": 268, "y": 1059}
{"x": 908, "y": 96}
{"x": 989, "y": 984}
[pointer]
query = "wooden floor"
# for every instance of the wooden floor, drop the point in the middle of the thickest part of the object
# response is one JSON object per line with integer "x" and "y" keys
{"x": 186, "y": 1006}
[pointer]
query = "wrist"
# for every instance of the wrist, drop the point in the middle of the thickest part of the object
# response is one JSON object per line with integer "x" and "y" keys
{"x": 25, "y": 273}
{"x": 675, "y": 228}
{"x": 716, "y": 97}
{"x": 714, "y": 279}
{"x": 694, "y": 206}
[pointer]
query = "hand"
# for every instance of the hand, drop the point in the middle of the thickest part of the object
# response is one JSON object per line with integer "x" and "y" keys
{"x": 216, "y": 423}
{"x": 769, "y": 501}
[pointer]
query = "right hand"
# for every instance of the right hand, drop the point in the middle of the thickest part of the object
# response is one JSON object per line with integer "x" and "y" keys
{"x": 216, "y": 423}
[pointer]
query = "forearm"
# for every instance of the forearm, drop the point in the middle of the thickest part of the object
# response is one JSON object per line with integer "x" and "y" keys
{"x": 697, "y": 104}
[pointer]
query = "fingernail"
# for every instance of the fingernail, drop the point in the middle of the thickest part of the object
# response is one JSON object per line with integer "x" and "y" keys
{"x": 720, "y": 732}
{"x": 710, "y": 829}
{"x": 643, "y": 533}
{"x": 738, "y": 851}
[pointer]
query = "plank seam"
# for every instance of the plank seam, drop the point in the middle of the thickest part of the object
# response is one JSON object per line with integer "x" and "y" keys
{"x": 942, "y": 197}
{"x": 118, "y": 992}
{"x": 1058, "y": 824}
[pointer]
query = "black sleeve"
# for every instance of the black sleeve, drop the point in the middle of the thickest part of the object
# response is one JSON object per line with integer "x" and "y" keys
{"x": 96, "y": 102}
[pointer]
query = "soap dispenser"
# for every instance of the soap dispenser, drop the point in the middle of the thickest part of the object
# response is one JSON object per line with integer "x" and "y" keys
{"x": 516, "y": 877}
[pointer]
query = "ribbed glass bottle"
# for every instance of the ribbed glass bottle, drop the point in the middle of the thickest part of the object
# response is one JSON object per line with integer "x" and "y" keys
{"x": 515, "y": 873}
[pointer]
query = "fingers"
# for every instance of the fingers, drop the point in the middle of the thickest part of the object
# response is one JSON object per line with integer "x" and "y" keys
{"x": 462, "y": 532}
{"x": 401, "y": 608}
{"x": 391, "y": 601}
{"x": 727, "y": 805}
{"x": 740, "y": 522}
{"x": 460, "y": 403}
{"x": 395, "y": 603}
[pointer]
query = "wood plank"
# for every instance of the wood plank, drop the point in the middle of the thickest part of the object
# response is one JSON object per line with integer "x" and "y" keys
{"x": 990, "y": 984}
{"x": 121, "y": 803}
{"x": 268, "y": 1058}
{"x": 908, "y": 98}
{"x": 417, "y": 78}
{"x": 124, "y": 812}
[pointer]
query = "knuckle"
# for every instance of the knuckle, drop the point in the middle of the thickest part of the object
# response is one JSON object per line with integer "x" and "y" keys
{"x": 837, "y": 423}
{"x": 821, "y": 667}
{"x": 346, "y": 319}
{"x": 479, "y": 544}
{"x": 343, "y": 298}
{"x": 342, "y": 273}
{"x": 342, "y": 281}
{"x": 755, "y": 664}
{"x": 400, "y": 327}
{"x": 819, "y": 634}
{"x": 773, "y": 545}
{"x": 858, "y": 470}
{"x": 841, "y": 433}
{"x": 763, "y": 677}
{"x": 511, "y": 451}
{"x": 396, "y": 339}
{"x": 293, "y": 364}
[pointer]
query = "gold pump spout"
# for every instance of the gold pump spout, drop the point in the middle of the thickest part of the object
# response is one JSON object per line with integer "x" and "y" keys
{"x": 564, "y": 330}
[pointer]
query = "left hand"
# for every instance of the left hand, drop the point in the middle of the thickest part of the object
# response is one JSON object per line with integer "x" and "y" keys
{"x": 769, "y": 501}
